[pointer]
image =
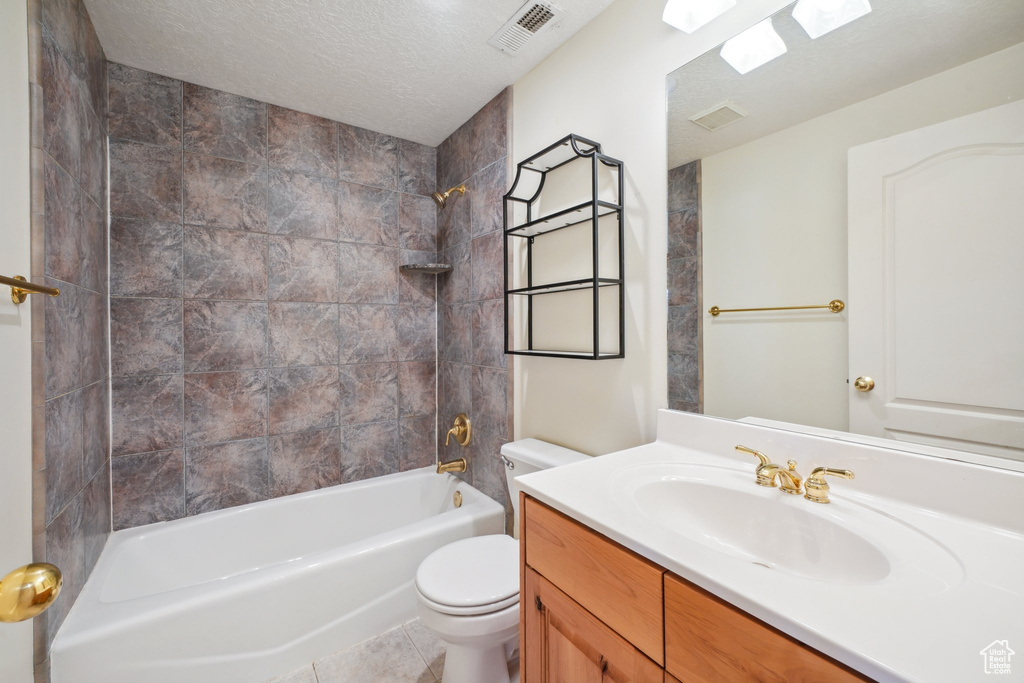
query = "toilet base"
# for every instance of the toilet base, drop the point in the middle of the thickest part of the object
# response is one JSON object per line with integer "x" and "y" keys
{"x": 467, "y": 664}
{"x": 478, "y": 648}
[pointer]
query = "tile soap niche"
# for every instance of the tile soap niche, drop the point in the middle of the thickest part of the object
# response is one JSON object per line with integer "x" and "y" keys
{"x": 426, "y": 268}
{"x": 564, "y": 254}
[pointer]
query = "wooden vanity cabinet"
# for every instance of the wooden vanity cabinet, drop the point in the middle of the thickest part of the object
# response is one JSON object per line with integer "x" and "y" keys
{"x": 592, "y": 610}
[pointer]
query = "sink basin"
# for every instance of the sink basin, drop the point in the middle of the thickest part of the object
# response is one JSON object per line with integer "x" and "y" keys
{"x": 760, "y": 530}
{"x": 723, "y": 509}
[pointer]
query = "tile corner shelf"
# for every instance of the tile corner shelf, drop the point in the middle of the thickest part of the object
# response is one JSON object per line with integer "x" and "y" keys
{"x": 427, "y": 268}
{"x": 526, "y": 225}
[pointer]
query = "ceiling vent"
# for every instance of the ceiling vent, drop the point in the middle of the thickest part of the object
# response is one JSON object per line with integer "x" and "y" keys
{"x": 719, "y": 116}
{"x": 531, "y": 19}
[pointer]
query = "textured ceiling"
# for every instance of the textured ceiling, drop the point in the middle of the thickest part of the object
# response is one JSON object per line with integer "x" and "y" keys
{"x": 899, "y": 42}
{"x": 416, "y": 69}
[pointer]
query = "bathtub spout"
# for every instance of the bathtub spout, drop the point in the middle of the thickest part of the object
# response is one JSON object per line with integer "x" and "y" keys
{"x": 459, "y": 465}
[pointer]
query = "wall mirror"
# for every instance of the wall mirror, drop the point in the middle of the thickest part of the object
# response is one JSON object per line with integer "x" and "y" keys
{"x": 881, "y": 165}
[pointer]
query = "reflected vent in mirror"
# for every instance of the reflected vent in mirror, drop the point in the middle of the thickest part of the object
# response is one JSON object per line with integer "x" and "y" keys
{"x": 719, "y": 116}
{"x": 524, "y": 25}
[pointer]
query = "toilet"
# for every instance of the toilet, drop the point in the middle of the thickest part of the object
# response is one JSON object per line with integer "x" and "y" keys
{"x": 468, "y": 591}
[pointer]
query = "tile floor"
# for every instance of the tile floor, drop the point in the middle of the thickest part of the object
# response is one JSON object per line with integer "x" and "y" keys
{"x": 410, "y": 653}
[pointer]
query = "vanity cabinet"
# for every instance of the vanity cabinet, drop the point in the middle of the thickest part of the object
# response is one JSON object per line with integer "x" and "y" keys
{"x": 592, "y": 610}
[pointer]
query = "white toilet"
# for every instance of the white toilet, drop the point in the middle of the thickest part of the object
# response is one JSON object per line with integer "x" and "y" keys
{"x": 468, "y": 591}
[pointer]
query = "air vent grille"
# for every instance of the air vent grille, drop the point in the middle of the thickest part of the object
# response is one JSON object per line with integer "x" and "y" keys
{"x": 719, "y": 116}
{"x": 524, "y": 25}
{"x": 535, "y": 18}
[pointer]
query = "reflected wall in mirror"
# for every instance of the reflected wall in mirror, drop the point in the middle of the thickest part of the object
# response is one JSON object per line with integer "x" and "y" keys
{"x": 879, "y": 164}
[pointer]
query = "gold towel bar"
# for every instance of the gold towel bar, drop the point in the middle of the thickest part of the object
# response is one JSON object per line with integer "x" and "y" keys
{"x": 835, "y": 306}
{"x": 21, "y": 288}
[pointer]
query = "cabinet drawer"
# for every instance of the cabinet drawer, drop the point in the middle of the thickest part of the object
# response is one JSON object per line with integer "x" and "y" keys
{"x": 617, "y": 586}
{"x": 707, "y": 639}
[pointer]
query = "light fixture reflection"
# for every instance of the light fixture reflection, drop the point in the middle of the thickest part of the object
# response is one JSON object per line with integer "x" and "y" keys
{"x": 758, "y": 45}
{"x": 690, "y": 15}
{"x": 818, "y": 17}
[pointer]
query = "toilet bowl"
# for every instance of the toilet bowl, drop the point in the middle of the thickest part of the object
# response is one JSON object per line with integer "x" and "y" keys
{"x": 468, "y": 591}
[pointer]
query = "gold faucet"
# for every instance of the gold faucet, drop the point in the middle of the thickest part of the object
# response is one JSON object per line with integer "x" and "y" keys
{"x": 462, "y": 430}
{"x": 789, "y": 479}
{"x": 817, "y": 487}
{"x": 767, "y": 472}
{"x": 459, "y": 465}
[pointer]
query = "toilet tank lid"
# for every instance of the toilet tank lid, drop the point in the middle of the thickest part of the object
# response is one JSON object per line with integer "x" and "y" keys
{"x": 540, "y": 454}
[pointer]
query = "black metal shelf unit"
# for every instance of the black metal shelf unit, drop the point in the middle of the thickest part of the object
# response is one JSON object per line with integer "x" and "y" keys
{"x": 522, "y": 199}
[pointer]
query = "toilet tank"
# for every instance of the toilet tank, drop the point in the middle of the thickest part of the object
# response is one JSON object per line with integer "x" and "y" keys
{"x": 532, "y": 455}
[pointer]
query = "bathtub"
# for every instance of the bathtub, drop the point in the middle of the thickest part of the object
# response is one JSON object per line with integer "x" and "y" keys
{"x": 252, "y": 592}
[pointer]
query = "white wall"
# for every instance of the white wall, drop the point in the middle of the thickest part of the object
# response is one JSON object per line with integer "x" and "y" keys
{"x": 607, "y": 83}
{"x": 15, "y": 333}
{"x": 774, "y": 234}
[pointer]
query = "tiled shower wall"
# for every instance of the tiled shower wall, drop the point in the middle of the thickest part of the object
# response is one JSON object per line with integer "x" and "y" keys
{"x": 263, "y": 341}
{"x": 685, "y": 370}
{"x": 473, "y": 376}
{"x": 70, "y": 364}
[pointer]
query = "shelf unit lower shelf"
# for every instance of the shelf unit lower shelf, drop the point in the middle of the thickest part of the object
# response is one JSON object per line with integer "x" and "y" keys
{"x": 569, "y": 286}
{"x": 566, "y": 354}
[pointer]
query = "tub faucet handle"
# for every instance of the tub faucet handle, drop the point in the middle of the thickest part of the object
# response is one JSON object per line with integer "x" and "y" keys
{"x": 462, "y": 430}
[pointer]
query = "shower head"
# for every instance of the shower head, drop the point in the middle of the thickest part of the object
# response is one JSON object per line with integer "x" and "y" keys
{"x": 442, "y": 197}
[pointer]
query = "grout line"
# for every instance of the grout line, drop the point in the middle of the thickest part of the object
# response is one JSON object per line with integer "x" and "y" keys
{"x": 181, "y": 222}
{"x": 423, "y": 657}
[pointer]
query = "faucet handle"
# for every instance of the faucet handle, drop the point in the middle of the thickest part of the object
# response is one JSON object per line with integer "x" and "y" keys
{"x": 765, "y": 468}
{"x": 816, "y": 488}
{"x": 760, "y": 456}
{"x": 462, "y": 430}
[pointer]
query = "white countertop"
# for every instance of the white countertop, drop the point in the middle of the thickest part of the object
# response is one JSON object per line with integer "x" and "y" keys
{"x": 927, "y": 620}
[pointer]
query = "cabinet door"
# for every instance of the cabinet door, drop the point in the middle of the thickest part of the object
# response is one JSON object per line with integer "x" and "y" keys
{"x": 564, "y": 643}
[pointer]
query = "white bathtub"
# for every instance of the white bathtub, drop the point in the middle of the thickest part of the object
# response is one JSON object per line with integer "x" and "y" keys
{"x": 251, "y": 592}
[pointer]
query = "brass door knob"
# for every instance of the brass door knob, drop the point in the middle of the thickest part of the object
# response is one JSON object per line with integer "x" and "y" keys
{"x": 28, "y": 591}
{"x": 863, "y": 384}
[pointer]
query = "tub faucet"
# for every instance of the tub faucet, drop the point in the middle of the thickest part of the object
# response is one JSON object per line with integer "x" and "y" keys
{"x": 462, "y": 430}
{"x": 452, "y": 466}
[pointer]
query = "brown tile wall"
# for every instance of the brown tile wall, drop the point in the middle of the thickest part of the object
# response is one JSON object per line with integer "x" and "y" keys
{"x": 685, "y": 370}
{"x": 263, "y": 341}
{"x": 70, "y": 363}
{"x": 473, "y": 375}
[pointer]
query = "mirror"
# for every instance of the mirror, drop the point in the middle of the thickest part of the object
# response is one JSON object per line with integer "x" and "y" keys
{"x": 880, "y": 165}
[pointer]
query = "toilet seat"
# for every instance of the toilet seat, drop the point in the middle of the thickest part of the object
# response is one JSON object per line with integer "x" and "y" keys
{"x": 474, "y": 576}
{"x": 475, "y": 610}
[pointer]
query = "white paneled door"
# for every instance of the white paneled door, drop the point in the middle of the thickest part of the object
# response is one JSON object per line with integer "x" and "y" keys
{"x": 936, "y": 270}
{"x": 15, "y": 339}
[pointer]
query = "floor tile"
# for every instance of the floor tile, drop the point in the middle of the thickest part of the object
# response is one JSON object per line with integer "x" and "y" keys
{"x": 428, "y": 644}
{"x": 389, "y": 657}
{"x": 301, "y": 675}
